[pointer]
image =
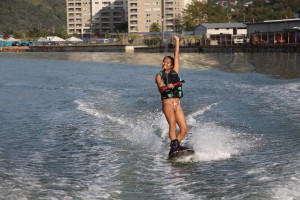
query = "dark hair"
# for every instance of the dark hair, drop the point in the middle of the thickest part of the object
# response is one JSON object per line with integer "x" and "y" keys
{"x": 172, "y": 59}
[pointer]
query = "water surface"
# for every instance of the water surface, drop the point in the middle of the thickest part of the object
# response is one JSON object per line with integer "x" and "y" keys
{"x": 90, "y": 126}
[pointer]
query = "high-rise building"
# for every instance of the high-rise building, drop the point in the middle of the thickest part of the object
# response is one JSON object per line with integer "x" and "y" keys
{"x": 89, "y": 17}
{"x": 143, "y": 13}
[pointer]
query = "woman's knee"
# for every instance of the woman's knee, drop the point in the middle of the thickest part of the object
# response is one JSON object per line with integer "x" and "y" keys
{"x": 172, "y": 126}
{"x": 184, "y": 130}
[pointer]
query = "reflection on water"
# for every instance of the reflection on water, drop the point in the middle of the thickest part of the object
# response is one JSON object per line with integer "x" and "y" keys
{"x": 276, "y": 64}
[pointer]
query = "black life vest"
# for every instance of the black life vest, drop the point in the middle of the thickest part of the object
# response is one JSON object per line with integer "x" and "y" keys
{"x": 172, "y": 77}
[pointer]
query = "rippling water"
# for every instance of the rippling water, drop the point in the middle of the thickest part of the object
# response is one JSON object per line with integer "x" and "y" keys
{"x": 90, "y": 126}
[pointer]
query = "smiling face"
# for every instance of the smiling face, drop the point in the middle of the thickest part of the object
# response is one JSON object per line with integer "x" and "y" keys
{"x": 168, "y": 62}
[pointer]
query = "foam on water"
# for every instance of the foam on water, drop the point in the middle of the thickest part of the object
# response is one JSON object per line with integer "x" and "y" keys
{"x": 289, "y": 187}
{"x": 137, "y": 130}
{"x": 209, "y": 140}
{"x": 282, "y": 97}
{"x": 191, "y": 117}
{"x": 212, "y": 141}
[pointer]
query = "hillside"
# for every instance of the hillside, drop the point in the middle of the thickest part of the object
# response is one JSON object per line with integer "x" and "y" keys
{"x": 19, "y": 15}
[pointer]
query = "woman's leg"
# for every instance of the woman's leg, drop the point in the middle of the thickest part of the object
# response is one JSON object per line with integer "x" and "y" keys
{"x": 170, "y": 116}
{"x": 181, "y": 121}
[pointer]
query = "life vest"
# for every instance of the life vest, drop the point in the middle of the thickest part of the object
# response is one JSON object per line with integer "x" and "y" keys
{"x": 172, "y": 77}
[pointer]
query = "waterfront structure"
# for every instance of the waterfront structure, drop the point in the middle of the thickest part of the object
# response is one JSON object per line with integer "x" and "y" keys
{"x": 285, "y": 31}
{"x": 210, "y": 29}
{"x": 94, "y": 17}
{"x": 273, "y": 25}
{"x": 166, "y": 13}
{"x": 222, "y": 33}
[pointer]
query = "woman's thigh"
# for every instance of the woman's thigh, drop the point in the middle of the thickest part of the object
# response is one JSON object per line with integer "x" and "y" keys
{"x": 169, "y": 113}
{"x": 180, "y": 118}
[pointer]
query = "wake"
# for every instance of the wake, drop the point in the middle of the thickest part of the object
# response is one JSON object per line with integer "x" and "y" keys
{"x": 209, "y": 140}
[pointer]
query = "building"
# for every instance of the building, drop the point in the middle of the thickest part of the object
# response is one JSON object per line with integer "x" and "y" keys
{"x": 89, "y": 17}
{"x": 209, "y": 29}
{"x": 273, "y": 26}
{"x": 142, "y": 14}
{"x": 285, "y": 31}
{"x": 222, "y": 33}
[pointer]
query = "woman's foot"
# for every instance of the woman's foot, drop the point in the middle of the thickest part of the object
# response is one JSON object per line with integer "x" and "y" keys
{"x": 175, "y": 147}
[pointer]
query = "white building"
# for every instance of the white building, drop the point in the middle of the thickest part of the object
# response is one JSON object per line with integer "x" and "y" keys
{"x": 87, "y": 17}
{"x": 209, "y": 29}
{"x": 143, "y": 13}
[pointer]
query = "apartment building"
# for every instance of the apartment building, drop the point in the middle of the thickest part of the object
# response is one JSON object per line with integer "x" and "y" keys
{"x": 143, "y": 13}
{"x": 90, "y": 17}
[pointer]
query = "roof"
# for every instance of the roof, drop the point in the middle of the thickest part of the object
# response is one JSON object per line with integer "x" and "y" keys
{"x": 57, "y": 39}
{"x": 224, "y": 25}
{"x": 74, "y": 39}
{"x": 42, "y": 39}
{"x": 276, "y": 21}
{"x": 11, "y": 39}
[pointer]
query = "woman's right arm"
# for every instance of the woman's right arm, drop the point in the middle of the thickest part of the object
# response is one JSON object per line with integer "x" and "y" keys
{"x": 160, "y": 84}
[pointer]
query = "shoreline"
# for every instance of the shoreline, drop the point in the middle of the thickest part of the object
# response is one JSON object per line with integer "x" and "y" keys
{"x": 14, "y": 49}
{"x": 183, "y": 49}
{"x": 144, "y": 49}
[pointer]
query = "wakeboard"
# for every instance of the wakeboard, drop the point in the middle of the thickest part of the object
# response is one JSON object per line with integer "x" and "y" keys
{"x": 181, "y": 154}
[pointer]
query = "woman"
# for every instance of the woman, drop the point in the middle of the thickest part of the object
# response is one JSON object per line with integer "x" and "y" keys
{"x": 169, "y": 85}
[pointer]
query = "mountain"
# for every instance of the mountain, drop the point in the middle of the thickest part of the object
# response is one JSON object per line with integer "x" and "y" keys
{"x": 23, "y": 15}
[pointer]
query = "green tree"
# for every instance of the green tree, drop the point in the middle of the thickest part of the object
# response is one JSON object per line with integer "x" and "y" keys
{"x": 286, "y": 8}
{"x": 121, "y": 28}
{"x": 260, "y": 14}
{"x": 20, "y": 34}
{"x": 197, "y": 13}
{"x": 155, "y": 27}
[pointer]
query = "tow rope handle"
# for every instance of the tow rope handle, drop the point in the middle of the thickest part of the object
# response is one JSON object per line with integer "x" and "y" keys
{"x": 165, "y": 88}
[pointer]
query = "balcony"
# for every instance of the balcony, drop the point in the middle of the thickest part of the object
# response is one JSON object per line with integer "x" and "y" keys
{"x": 133, "y": 5}
{"x": 117, "y": 19}
{"x": 133, "y": 22}
{"x": 133, "y": 10}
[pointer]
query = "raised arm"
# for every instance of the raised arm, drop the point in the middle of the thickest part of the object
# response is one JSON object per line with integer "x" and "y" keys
{"x": 176, "y": 54}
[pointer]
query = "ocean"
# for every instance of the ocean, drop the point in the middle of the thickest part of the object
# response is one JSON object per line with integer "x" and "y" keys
{"x": 89, "y": 126}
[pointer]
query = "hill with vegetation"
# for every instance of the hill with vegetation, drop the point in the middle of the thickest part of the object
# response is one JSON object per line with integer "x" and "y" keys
{"x": 19, "y": 17}
{"x": 225, "y": 11}
{"x": 35, "y": 18}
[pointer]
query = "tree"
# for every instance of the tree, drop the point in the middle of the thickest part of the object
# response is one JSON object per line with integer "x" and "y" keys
{"x": 121, "y": 28}
{"x": 155, "y": 27}
{"x": 20, "y": 34}
{"x": 276, "y": 9}
{"x": 259, "y": 3}
{"x": 197, "y": 13}
{"x": 260, "y": 14}
{"x": 286, "y": 8}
